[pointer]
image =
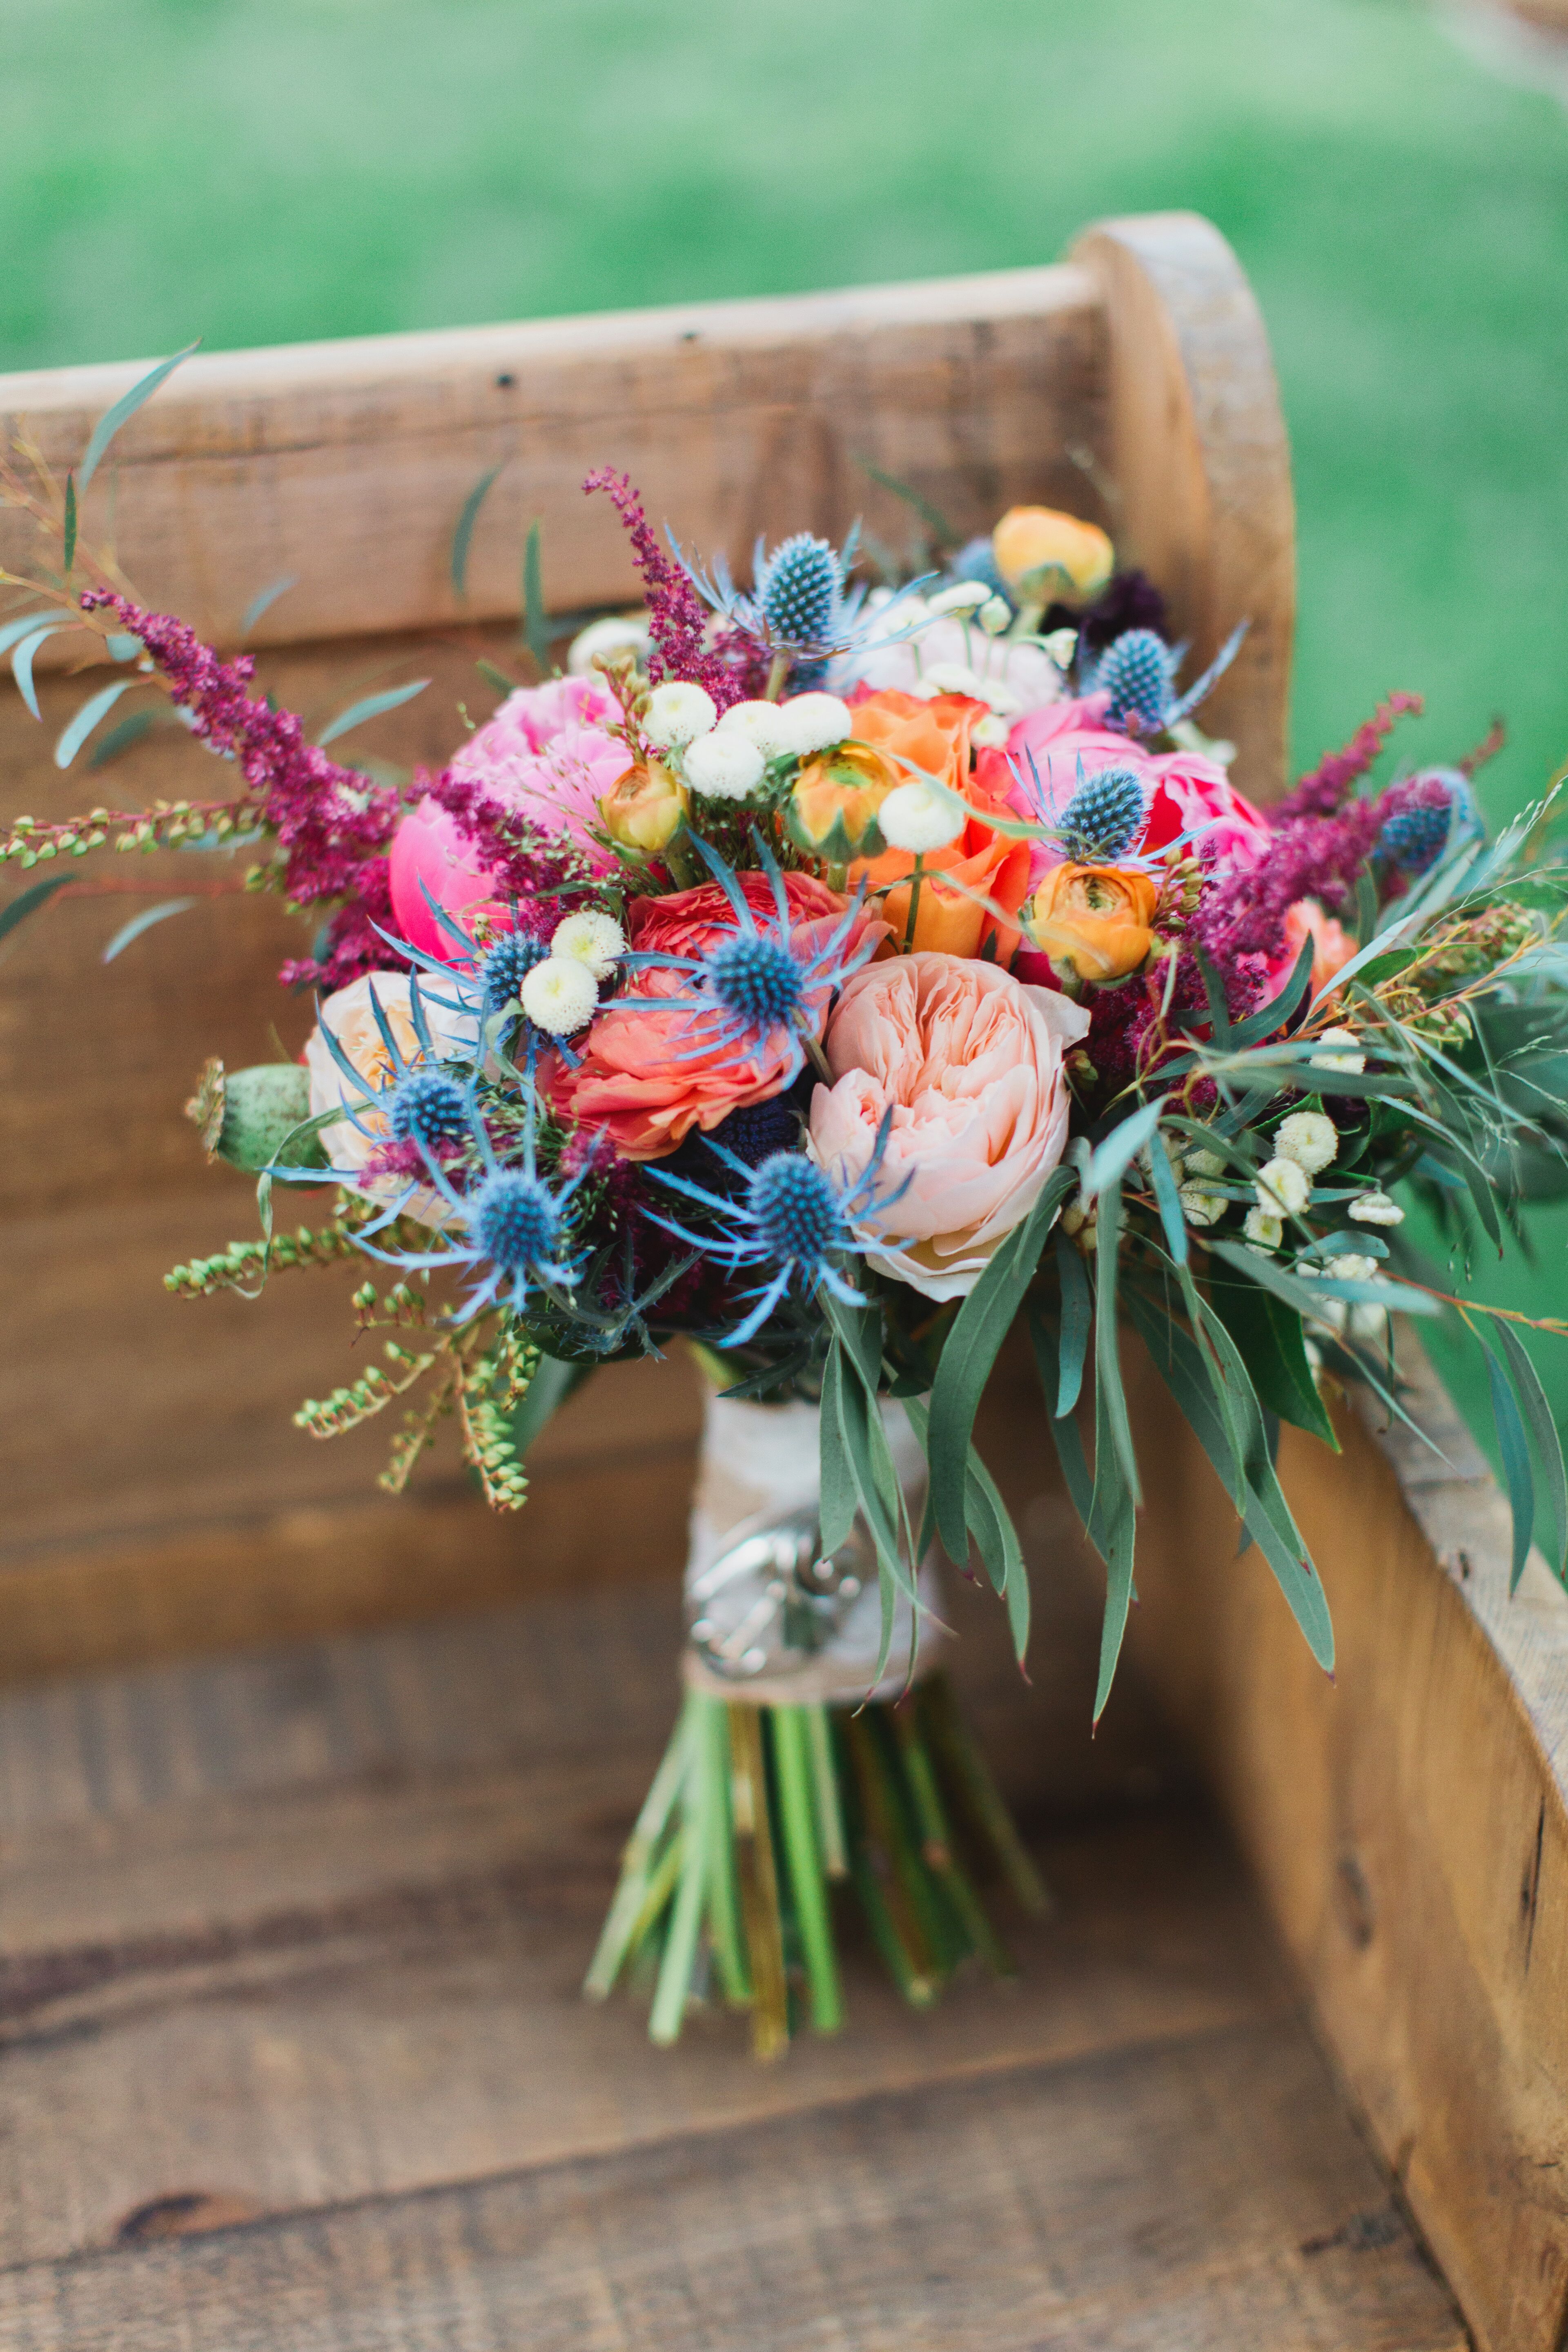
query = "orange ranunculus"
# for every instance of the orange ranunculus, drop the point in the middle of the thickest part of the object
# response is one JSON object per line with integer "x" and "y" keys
{"x": 1096, "y": 918}
{"x": 831, "y": 810}
{"x": 1332, "y": 946}
{"x": 1042, "y": 550}
{"x": 645, "y": 807}
{"x": 980, "y": 866}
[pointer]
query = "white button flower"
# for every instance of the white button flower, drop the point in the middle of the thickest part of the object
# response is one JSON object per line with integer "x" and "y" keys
{"x": 762, "y": 723}
{"x": 1202, "y": 1205}
{"x": 1283, "y": 1189}
{"x": 815, "y": 721}
{"x": 995, "y": 617}
{"x": 1259, "y": 1228}
{"x": 1376, "y": 1208}
{"x": 591, "y": 940}
{"x": 1351, "y": 1267}
{"x": 1308, "y": 1139}
{"x": 914, "y": 818}
{"x": 963, "y": 596}
{"x": 559, "y": 995}
{"x": 1354, "y": 1061}
{"x": 1206, "y": 1163}
{"x": 676, "y": 714}
{"x": 723, "y": 767}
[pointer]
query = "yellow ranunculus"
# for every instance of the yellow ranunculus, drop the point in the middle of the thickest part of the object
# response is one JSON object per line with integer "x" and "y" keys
{"x": 832, "y": 811}
{"x": 1094, "y": 918}
{"x": 646, "y": 807}
{"x": 1051, "y": 555}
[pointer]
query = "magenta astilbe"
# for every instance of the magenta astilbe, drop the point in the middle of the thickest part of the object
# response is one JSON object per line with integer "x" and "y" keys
{"x": 677, "y": 614}
{"x": 331, "y": 825}
{"x": 524, "y": 863}
{"x": 1322, "y": 792}
{"x": 1133, "y": 1028}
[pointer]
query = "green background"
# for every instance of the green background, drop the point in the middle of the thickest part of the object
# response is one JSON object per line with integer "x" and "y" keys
{"x": 263, "y": 170}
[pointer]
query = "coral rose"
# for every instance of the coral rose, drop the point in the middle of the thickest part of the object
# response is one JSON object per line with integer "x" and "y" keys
{"x": 969, "y": 1060}
{"x": 952, "y": 916}
{"x": 638, "y": 1081}
{"x": 1332, "y": 946}
{"x": 1095, "y": 918}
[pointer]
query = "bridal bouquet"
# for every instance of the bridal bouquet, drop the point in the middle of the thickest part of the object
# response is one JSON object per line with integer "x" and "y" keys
{"x": 835, "y": 973}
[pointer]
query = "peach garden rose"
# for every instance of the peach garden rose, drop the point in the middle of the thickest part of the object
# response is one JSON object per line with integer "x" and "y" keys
{"x": 970, "y": 1060}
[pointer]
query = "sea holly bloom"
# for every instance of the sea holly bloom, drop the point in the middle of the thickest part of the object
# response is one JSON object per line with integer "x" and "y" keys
{"x": 792, "y": 1217}
{"x": 667, "y": 1057}
{"x": 375, "y": 1056}
{"x": 510, "y": 1227}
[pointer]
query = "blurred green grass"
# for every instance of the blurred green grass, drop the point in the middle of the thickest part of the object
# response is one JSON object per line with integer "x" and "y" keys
{"x": 269, "y": 173}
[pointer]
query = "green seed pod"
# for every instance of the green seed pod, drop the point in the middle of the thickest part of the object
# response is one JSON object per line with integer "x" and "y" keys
{"x": 246, "y": 1115}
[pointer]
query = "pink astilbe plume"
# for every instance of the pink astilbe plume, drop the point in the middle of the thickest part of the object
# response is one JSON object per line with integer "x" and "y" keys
{"x": 677, "y": 614}
{"x": 1322, "y": 840}
{"x": 331, "y": 825}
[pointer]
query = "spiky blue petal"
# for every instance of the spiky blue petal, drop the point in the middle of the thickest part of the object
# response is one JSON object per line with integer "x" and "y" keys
{"x": 506, "y": 966}
{"x": 515, "y": 1220}
{"x": 1103, "y": 818}
{"x": 798, "y": 591}
{"x": 427, "y": 1108}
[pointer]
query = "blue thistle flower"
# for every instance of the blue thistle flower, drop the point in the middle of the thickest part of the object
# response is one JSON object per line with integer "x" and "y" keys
{"x": 506, "y": 966}
{"x": 792, "y": 1216}
{"x": 1416, "y": 837}
{"x": 799, "y": 589}
{"x": 510, "y": 1228}
{"x": 427, "y": 1108}
{"x": 1101, "y": 821}
{"x": 755, "y": 991}
{"x": 1138, "y": 670}
{"x": 977, "y": 561}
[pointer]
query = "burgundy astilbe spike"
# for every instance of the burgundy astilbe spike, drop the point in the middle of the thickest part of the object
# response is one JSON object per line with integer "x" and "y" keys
{"x": 331, "y": 825}
{"x": 1322, "y": 792}
{"x": 677, "y": 614}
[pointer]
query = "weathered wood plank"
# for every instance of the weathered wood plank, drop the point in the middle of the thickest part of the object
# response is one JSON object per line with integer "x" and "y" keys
{"x": 346, "y": 465}
{"x": 1406, "y": 1822}
{"x": 289, "y": 1957}
{"x": 1197, "y": 454}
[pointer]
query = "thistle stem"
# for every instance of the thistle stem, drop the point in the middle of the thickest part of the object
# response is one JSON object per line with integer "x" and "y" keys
{"x": 915, "y": 881}
{"x": 777, "y": 674}
{"x": 967, "y": 1769}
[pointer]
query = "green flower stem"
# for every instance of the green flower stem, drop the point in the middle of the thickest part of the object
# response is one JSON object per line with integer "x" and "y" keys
{"x": 824, "y": 1778}
{"x": 759, "y": 1882}
{"x": 802, "y": 1860}
{"x": 967, "y": 1769}
{"x": 723, "y": 1891}
{"x": 648, "y": 1924}
{"x": 936, "y": 1845}
{"x": 778, "y": 672}
{"x": 686, "y": 1921}
{"x": 637, "y": 1864}
{"x": 915, "y": 881}
{"x": 943, "y": 1936}
{"x": 877, "y": 1857}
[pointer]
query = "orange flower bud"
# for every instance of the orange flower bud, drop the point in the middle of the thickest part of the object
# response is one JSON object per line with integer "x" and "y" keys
{"x": 1048, "y": 554}
{"x": 832, "y": 811}
{"x": 646, "y": 807}
{"x": 1096, "y": 919}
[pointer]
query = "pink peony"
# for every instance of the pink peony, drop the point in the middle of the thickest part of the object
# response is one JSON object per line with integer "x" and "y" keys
{"x": 546, "y": 753}
{"x": 971, "y": 1062}
{"x": 1187, "y": 794}
{"x": 638, "y": 1081}
{"x": 1332, "y": 946}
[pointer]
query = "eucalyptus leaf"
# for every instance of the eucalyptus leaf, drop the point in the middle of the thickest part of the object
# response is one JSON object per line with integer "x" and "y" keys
{"x": 1542, "y": 1429}
{"x": 124, "y": 408}
{"x": 27, "y": 902}
{"x": 463, "y": 534}
{"x": 144, "y": 921}
{"x": 74, "y": 735}
{"x": 263, "y": 602}
{"x": 373, "y": 706}
{"x": 1515, "y": 1449}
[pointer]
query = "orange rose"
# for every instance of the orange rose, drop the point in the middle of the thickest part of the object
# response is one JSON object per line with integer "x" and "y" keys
{"x": 1095, "y": 918}
{"x": 1043, "y": 553}
{"x": 644, "y": 808}
{"x": 832, "y": 811}
{"x": 981, "y": 865}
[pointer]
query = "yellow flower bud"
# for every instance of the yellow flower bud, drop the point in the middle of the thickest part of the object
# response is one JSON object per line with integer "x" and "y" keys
{"x": 832, "y": 811}
{"x": 1050, "y": 555}
{"x": 646, "y": 807}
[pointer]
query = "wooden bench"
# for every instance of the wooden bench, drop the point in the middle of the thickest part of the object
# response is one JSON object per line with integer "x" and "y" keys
{"x": 310, "y": 1799}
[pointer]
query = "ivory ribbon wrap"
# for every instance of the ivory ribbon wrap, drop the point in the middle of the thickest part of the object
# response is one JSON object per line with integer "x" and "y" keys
{"x": 768, "y": 1621}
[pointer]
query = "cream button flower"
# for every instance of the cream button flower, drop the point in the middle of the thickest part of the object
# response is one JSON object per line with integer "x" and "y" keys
{"x": 723, "y": 766}
{"x": 560, "y": 995}
{"x": 1308, "y": 1139}
{"x": 916, "y": 819}
{"x": 1283, "y": 1189}
{"x": 677, "y": 713}
{"x": 589, "y": 939}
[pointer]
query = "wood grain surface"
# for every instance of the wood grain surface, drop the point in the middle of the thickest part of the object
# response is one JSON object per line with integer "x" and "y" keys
{"x": 1406, "y": 1822}
{"x": 290, "y": 2034}
{"x": 345, "y": 465}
